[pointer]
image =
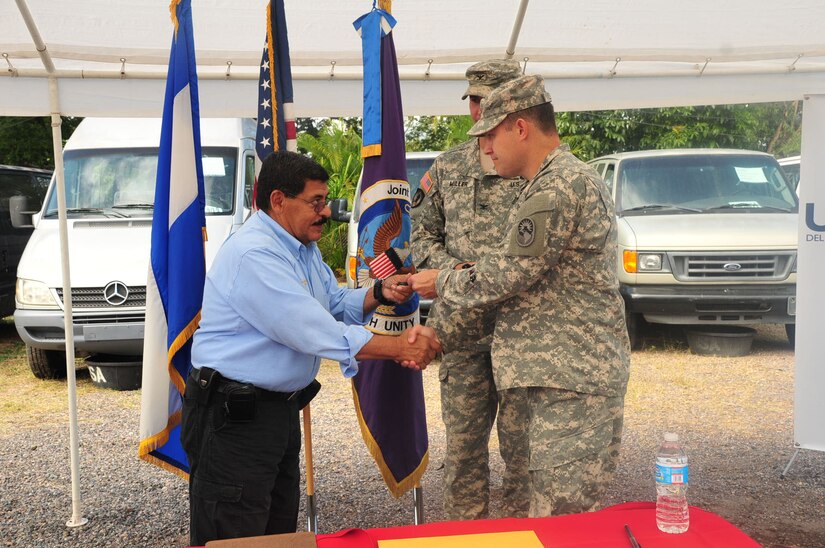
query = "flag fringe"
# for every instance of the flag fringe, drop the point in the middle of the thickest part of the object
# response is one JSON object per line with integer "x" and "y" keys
{"x": 154, "y": 442}
{"x": 173, "y": 10}
{"x": 271, "y": 50}
{"x": 397, "y": 488}
{"x": 182, "y": 338}
{"x": 371, "y": 150}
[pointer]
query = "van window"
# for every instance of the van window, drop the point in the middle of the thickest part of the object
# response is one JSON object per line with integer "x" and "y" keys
{"x": 703, "y": 183}
{"x": 121, "y": 183}
{"x": 609, "y": 173}
{"x": 416, "y": 168}
{"x": 791, "y": 172}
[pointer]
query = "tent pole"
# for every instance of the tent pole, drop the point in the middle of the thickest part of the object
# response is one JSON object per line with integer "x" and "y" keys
{"x": 511, "y": 46}
{"x": 57, "y": 143}
{"x": 77, "y": 519}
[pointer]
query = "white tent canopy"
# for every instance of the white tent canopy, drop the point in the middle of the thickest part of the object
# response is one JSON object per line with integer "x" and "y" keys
{"x": 108, "y": 58}
{"x": 110, "y": 55}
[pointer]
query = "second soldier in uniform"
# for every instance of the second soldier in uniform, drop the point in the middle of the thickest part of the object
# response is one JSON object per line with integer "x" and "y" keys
{"x": 458, "y": 216}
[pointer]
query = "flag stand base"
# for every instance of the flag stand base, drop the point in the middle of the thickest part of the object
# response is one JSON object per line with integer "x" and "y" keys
{"x": 77, "y": 522}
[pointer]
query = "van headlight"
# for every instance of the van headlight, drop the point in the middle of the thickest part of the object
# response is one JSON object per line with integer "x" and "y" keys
{"x": 649, "y": 262}
{"x": 29, "y": 293}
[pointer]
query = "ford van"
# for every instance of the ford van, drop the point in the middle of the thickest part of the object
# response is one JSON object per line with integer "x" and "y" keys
{"x": 706, "y": 236}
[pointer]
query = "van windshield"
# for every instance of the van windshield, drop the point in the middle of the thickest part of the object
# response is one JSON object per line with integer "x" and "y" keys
{"x": 121, "y": 183}
{"x": 710, "y": 183}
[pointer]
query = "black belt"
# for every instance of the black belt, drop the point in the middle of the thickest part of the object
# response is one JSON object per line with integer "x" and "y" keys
{"x": 219, "y": 383}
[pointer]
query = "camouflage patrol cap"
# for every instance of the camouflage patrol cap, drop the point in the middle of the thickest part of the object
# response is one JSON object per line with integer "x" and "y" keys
{"x": 513, "y": 96}
{"x": 486, "y": 76}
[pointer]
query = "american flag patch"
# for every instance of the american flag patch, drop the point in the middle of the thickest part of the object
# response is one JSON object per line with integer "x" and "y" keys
{"x": 426, "y": 182}
{"x": 386, "y": 264}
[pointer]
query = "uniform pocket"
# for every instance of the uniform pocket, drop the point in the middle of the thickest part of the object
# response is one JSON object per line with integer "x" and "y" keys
{"x": 218, "y": 492}
{"x": 551, "y": 453}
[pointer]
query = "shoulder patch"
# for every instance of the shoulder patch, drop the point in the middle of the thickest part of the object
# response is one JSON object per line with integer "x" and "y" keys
{"x": 526, "y": 232}
{"x": 418, "y": 197}
{"x": 426, "y": 182}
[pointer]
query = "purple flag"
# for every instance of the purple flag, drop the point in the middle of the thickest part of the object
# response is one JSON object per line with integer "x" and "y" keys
{"x": 389, "y": 399}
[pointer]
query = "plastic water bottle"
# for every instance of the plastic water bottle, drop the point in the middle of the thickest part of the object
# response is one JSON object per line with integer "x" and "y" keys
{"x": 671, "y": 486}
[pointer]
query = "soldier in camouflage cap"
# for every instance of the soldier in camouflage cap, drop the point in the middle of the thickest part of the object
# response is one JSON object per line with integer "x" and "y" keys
{"x": 458, "y": 216}
{"x": 560, "y": 345}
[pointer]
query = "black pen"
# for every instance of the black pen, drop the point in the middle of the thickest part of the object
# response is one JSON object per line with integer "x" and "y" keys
{"x": 633, "y": 542}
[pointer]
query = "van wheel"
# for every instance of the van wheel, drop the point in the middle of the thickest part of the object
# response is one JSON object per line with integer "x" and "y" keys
{"x": 790, "y": 331}
{"x": 47, "y": 364}
{"x": 635, "y": 326}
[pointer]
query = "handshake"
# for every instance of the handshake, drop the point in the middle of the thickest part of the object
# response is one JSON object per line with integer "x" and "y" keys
{"x": 417, "y": 346}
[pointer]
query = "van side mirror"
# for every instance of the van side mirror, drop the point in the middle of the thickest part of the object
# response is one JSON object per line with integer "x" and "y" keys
{"x": 18, "y": 209}
{"x": 339, "y": 210}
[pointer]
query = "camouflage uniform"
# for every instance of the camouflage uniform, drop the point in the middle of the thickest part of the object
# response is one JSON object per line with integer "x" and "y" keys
{"x": 560, "y": 349}
{"x": 459, "y": 218}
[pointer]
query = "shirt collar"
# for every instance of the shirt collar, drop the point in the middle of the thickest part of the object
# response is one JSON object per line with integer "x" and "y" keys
{"x": 285, "y": 238}
{"x": 552, "y": 155}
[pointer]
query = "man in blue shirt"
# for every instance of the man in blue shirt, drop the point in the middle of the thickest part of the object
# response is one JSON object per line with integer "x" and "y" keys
{"x": 271, "y": 310}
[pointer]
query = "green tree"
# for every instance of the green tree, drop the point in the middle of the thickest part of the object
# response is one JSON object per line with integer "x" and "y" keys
{"x": 769, "y": 127}
{"x": 28, "y": 141}
{"x": 337, "y": 147}
{"x": 436, "y": 132}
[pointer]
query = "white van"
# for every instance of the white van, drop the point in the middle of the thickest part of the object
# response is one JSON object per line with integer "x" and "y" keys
{"x": 706, "y": 237}
{"x": 110, "y": 167}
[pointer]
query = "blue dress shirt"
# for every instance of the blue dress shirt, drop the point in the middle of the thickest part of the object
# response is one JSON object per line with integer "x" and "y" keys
{"x": 272, "y": 309}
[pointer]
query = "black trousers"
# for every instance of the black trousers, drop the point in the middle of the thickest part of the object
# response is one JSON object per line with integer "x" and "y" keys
{"x": 244, "y": 477}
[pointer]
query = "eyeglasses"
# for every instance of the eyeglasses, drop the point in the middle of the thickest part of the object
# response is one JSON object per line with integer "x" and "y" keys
{"x": 317, "y": 204}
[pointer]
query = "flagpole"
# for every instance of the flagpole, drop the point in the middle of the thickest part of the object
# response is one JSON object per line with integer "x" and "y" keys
{"x": 418, "y": 504}
{"x": 312, "y": 511}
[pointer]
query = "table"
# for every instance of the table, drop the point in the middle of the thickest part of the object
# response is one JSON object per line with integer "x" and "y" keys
{"x": 603, "y": 529}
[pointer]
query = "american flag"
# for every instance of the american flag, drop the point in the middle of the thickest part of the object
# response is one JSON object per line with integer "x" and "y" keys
{"x": 276, "y": 120}
{"x": 386, "y": 264}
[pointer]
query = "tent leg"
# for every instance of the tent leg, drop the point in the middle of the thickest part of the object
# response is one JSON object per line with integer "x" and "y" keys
{"x": 418, "y": 505}
{"x": 77, "y": 519}
{"x": 790, "y": 462}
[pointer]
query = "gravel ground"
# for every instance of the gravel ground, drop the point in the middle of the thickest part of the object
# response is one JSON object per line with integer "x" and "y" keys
{"x": 735, "y": 416}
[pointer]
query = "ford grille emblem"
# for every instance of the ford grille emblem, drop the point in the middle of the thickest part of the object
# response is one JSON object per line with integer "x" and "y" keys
{"x": 115, "y": 293}
{"x": 732, "y": 267}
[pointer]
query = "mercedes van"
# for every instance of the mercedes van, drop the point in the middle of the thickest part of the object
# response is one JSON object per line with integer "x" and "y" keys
{"x": 110, "y": 167}
{"x": 706, "y": 236}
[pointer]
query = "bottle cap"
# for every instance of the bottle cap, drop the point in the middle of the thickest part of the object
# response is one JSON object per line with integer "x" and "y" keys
{"x": 671, "y": 436}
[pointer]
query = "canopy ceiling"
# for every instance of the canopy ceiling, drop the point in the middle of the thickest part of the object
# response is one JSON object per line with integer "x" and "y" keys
{"x": 110, "y": 55}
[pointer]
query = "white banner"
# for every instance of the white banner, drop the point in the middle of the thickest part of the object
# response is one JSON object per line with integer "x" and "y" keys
{"x": 809, "y": 403}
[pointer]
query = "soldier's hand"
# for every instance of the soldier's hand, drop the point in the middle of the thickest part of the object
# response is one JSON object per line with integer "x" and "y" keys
{"x": 397, "y": 289}
{"x": 423, "y": 283}
{"x": 418, "y": 346}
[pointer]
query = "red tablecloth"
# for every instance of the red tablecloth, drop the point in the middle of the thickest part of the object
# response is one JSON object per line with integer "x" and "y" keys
{"x": 603, "y": 529}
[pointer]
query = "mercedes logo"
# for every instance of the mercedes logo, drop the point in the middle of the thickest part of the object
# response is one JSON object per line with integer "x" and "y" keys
{"x": 115, "y": 293}
{"x": 732, "y": 267}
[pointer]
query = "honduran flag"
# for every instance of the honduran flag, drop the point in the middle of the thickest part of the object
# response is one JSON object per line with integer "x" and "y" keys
{"x": 174, "y": 289}
{"x": 389, "y": 399}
